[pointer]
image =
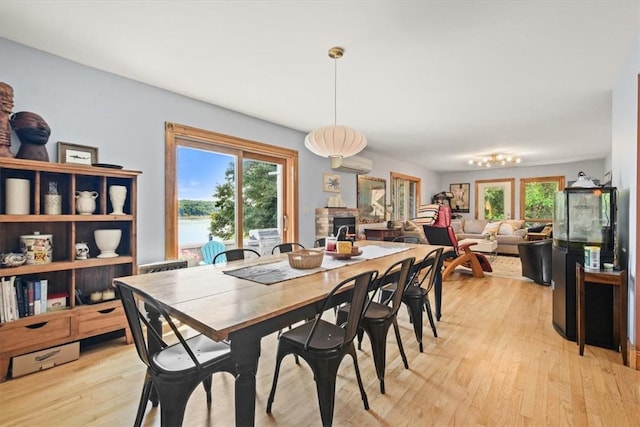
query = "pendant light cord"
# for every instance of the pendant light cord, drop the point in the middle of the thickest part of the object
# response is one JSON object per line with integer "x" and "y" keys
{"x": 335, "y": 91}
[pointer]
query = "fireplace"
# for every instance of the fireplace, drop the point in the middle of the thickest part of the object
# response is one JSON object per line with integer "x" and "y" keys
{"x": 349, "y": 221}
{"x": 329, "y": 219}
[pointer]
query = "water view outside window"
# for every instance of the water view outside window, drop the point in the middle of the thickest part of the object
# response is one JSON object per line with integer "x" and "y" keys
{"x": 208, "y": 201}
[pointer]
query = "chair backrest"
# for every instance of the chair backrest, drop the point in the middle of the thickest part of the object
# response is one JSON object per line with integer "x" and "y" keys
{"x": 424, "y": 275}
{"x": 172, "y": 264}
{"x": 361, "y": 283}
{"x": 402, "y": 282}
{"x": 444, "y": 236}
{"x": 320, "y": 243}
{"x": 286, "y": 247}
{"x": 234, "y": 255}
{"x": 407, "y": 239}
{"x": 132, "y": 301}
{"x": 210, "y": 250}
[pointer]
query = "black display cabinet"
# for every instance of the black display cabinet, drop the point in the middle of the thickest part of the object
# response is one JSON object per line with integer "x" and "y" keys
{"x": 583, "y": 217}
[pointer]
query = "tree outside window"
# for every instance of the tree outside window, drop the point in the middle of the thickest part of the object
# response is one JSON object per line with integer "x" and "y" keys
{"x": 536, "y": 198}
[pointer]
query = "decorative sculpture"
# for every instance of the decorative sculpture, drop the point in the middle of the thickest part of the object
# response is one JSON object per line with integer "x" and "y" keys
{"x": 33, "y": 133}
{"x": 6, "y": 106}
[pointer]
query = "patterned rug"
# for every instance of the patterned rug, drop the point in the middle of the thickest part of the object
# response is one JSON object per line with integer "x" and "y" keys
{"x": 506, "y": 266}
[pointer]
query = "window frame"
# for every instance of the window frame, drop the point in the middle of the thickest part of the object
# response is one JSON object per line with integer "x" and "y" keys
{"x": 393, "y": 176}
{"x": 559, "y": 179}
{"x": 176, "y": 134}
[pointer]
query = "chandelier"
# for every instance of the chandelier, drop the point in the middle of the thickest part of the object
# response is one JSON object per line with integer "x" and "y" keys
{"x": 335, "y": 141}
{"x": 496, "y": 160}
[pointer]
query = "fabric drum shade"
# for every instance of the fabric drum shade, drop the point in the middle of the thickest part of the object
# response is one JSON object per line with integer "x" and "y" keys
{"x": 335, "y": 141}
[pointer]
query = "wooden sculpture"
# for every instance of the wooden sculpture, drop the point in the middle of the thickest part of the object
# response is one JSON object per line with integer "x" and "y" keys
{"x": 33, "y": 133}
{"x": 6, "y": 106}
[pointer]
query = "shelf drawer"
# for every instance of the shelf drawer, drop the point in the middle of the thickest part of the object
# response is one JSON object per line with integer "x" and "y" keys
{"x": 34, "y": 332}
{"x": 101, "y": 318}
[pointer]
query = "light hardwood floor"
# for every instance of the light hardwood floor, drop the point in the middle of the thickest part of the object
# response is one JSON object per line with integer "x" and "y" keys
{"x": 497, "y": 361}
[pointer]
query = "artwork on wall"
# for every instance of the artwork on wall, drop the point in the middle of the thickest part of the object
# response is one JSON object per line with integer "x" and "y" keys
{"x": 372, "y": 196}
{"x": 460, "y": 199}
{"x": 494, "y": 199}
{"x": 331, "y": 183}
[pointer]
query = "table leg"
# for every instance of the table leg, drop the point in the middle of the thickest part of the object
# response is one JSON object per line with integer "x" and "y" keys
{"x": 437, "y": 288}
{"x": 245, "y": 351}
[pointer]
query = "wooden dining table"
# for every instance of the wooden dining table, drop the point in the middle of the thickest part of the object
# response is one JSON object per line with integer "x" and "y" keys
{"x": 224, "y": 307}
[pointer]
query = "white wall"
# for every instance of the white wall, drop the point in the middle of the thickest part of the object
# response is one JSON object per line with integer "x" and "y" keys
{"x": 125, "y": 120}
{"x": 624, "y": 158}
{"x": 593, "y": 168}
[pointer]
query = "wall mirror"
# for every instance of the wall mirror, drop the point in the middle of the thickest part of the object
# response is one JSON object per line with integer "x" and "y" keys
{"x": 372, "y": 196}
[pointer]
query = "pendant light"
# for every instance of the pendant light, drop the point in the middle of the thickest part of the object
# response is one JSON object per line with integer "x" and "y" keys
{"x": 335, "y": 141}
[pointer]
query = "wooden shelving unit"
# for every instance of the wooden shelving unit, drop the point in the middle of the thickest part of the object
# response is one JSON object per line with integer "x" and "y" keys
{"x": 64, "y": 273}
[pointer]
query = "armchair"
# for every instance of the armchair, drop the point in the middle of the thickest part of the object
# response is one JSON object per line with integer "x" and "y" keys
{"x": 441, "y": 233}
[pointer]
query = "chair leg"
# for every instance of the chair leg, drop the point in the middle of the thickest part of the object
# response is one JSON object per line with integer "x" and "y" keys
{"x": 415, "y": 307}
{"x": 325, "y": 373}
{"x": 146, "y": 391}
{"x": 279, "y": 356}
{"x": 396, "y": 329}
{"x": 377, "y": 332}
{"x": 363, "y": 394}
{"x": 207, "y": 388}
{"x": 427, "y": 305}
{"x": 173, "y": 401}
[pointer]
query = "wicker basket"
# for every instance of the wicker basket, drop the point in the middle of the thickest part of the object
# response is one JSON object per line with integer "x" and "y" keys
{"x": 305, "y": 258}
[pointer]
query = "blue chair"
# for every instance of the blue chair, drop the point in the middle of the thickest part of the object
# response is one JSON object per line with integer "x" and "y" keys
{"x": 210, "y": 250}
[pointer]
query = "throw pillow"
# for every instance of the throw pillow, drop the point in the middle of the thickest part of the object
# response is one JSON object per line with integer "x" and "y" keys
{"x": 515, "y": 223}
{"x": 410, "y": 228}
{"x": 458, "y": 226}
{"x": 428, "y": 211}
{"x": 492, "y": 228}
{"x": 506, "y": 229}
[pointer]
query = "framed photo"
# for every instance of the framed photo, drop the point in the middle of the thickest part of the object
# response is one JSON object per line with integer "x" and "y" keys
{"x": 460, "y": 197}
{"x": 74, "y": 153}
{"x": 331, "y": 182}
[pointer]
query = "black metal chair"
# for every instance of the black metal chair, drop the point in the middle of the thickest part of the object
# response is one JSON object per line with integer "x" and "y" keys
{"x": 234, "y": 255}
{"x": 286, "y": 247}
{"x": 416, "y": 294}
{"x": 323, "y": 345}
{"x": 407, "y": 239}
{"x": 176, "y": 370}
{"x": 378, "y": 317}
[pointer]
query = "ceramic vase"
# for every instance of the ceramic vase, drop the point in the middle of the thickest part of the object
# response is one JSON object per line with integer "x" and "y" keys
{"x": 17, "y": 196}
{"x": 86, "y": 202}
{"x": 117, "y": 196}
{"x": 107, "y": 241}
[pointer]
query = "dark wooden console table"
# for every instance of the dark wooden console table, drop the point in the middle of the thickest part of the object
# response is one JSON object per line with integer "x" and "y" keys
{"x": 381, "y": 233}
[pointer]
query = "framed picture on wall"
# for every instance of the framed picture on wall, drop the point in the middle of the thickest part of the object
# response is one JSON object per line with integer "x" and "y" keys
{"x": 331, "y": 183}
{"x": 460, "y": 199}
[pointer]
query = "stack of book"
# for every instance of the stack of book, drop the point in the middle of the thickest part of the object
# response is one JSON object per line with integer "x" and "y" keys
{"x": 22, "y": 297}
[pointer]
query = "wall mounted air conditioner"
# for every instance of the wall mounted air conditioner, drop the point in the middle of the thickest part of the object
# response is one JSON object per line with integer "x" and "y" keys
{"x": 353, "y": 164}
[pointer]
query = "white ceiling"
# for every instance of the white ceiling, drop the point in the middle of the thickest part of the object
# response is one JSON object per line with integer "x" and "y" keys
{"x": 433, "y": 82}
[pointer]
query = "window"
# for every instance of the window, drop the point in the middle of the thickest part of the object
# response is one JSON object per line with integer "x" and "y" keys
{"x": 405, "y": 196}
{"x": 494, "y": 199}
{"x": 536, "y": 198}
{"x": 221, "y": 187}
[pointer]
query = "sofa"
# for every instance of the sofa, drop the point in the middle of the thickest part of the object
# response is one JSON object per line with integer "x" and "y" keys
{"x": 508, "y": 233}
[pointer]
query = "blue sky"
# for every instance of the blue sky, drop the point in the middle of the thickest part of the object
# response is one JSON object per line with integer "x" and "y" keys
{"x": 199, "y": 172}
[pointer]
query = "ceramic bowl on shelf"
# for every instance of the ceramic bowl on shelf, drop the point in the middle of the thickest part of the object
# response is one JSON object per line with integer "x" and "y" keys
{"x": 12, "y": 259}
{"x": 107, "y": 241}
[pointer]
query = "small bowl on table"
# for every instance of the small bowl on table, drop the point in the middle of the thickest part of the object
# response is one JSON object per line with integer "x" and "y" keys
{"x": 305, "y": 259}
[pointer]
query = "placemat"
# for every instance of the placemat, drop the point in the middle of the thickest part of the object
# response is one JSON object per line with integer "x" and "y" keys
{"x": 280, "y": 271}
